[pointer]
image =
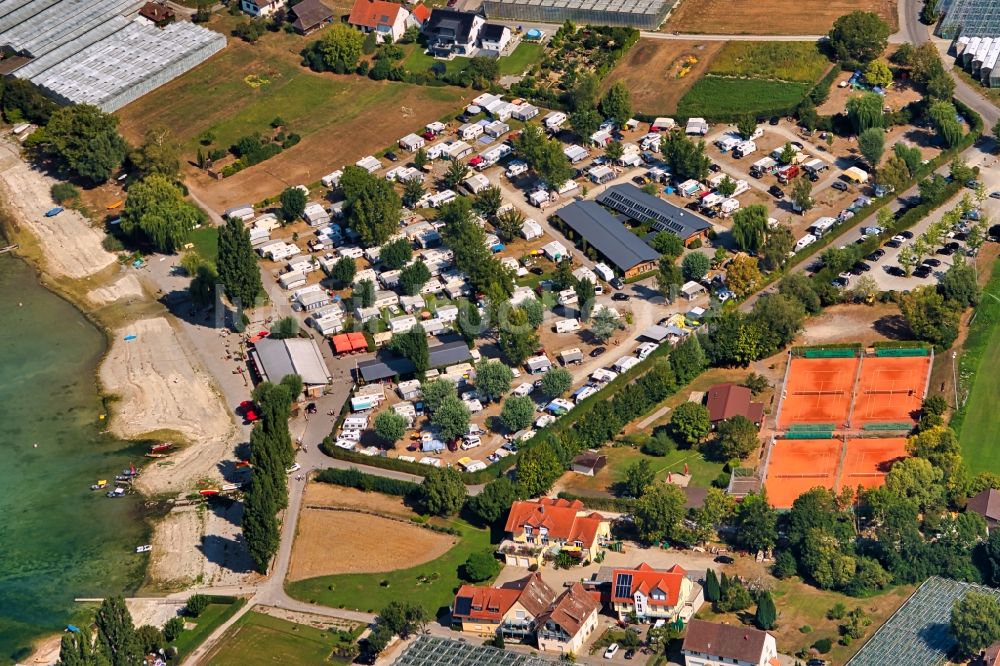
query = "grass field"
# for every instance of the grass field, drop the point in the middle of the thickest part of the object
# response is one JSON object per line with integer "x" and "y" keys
{"x": 259, "y": 639}
{"x": 209, "y": 620}
{"x": 713, "y": 97}
{"x": 419, "y": 61}
{"x": 977, "y": 425}
{"x": 524, "y": 56}
{"x": 431, "y": 584}
{"x": 206, "y": 242}
{"x": 801, "y": 62}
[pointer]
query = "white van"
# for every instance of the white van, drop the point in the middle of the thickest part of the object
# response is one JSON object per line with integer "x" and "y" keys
{"x": 524, "y": 389}
{"x": 645, "y": 349}
{"x": 568, "y": 297}
{"x": 515, "y": 169}
{"x": 471, "y": 442}
{"x": 744, "y": 149}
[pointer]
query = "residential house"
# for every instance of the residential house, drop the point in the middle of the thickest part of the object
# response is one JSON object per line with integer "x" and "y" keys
{"x": 451, "y": 32}
{"x": 418, "y": 16}
{"x": 987, "y": 505}
{"x": 545, "y": 526}
{"x": 588, "y": 463}
{"x": 157, "y": 13}
{"x": 711, "y": 644}
{"x": 510, "y": 609}
{"x": 724, "y": 401}
{"x": 654, "y": 594}
{"x": 310, "y": 15}
{"x": 565, "y": 626}
{"x": 494, "y": 37}
{"x": 261, "y": 8}
{"x": 386, "y": 19}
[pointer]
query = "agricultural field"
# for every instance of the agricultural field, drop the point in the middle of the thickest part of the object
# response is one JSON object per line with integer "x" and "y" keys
{"x": 250, "y": 85}
{"x": 714, "y": 96}
{"x": 770, "y": 17}
{"x": 659, "y": 72}
{"x": 387, "y": 544}
{"x": 800, "y": 62}
{"x": 257, "y": 638}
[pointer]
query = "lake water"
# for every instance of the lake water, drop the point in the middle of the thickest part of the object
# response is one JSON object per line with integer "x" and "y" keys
{"x": 58, "y": 539}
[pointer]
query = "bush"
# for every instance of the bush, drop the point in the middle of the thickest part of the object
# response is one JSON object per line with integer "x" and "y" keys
{"x": 481, "y": 566}
{"x": 112, "y": 244}
{"x": 196, "y": 604}
{"x": 173, "y": 628}
{"x": 353, "y": 478}
{"x": 823, "y": 645}
{"x": 64, "y": 192}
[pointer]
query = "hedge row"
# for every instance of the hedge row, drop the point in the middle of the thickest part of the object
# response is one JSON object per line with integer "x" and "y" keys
{"x": 901, "y": 344}
{"x": 616, "y": 504}
{"x": 355, "y": 478}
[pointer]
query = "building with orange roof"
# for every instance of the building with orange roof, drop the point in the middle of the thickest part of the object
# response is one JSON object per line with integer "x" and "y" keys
{"x": 654, "y": 594}
{"x": 566, "y": 624}
{"x": 544, "y": 527}
{"x": 511, "y": 609}
{"x": 386, "y": 19}
{"x": 419, "y": 14}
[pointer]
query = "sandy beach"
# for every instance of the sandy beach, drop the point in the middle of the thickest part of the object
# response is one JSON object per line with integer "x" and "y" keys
{"x": 125, "y": 288}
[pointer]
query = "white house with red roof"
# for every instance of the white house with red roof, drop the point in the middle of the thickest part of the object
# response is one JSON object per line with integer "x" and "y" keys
{"x": 386, "y": 19}
{"x": 655, "y": 594}
{"x": 511, "y": 609}
{"x": 544, "y": 527}
{"x": 712, "y": 644}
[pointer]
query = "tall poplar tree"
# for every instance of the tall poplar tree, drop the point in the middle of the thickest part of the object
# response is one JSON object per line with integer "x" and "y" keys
{"x": 237, "y": 265}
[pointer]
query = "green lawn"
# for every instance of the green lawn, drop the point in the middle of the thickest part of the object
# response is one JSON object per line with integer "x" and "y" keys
{"x": 418, "y": 61}
{"x": 977, "y": 425}
{"x": 785, "y": 61}
{"x": 431, "y": 584}
{"x": 713, "y": 96}
{"x": 261, "y": 639}
{"x": 206, "y": 242}
{"x": 525, "y": 55}
{"x": 209, "y": 620}
{"x": 702, "y": 471}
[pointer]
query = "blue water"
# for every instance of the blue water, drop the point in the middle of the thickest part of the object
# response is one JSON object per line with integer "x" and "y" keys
{"x": 58, "y": 539}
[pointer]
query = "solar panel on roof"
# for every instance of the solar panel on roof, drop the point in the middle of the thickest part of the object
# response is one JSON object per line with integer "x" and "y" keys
{"x": 623, "y": 585}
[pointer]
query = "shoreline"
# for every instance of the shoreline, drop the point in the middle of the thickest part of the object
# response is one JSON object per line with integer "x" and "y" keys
{"x": 69, "y": 261}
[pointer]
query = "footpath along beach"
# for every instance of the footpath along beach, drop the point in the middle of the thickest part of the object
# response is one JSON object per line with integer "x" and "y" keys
{"x": 163, "y": 381}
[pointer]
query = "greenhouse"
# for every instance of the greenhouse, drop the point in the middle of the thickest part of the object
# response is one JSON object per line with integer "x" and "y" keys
{"x": 641, "y": 14}
{"x": 970, "y": 18}
{"x": 978, "y": 56}
{"x": 432, "y": 651}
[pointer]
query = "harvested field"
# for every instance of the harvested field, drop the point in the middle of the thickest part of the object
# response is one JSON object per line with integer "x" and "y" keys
{"x": 250, "y": 86}
{"x": 771, "y": 17}
{"x": 328, "y": 494}
{"x": 652, "y": 69}
{"x": 338, "y": 542}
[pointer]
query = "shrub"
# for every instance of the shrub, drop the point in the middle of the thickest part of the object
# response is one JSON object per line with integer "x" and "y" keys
{"x": 353, "y": 478}
{"x": 63, "y": 192}
{"x": 196, "y": 604}
{"x": 823, "y": 645}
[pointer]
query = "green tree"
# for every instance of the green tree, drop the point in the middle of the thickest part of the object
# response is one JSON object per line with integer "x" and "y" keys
{"x": 585, "y": 295}
{"x": 750, "y": 227}
{"x": 413, "y": 191}
{"x": 777, "y": 246}
{"x": 909, "y": 154}
{"x": 87, "y": 140}
{"x": 737, "y": 438}
{"x": 668, "y": 244}
{"x": 930, "y": 317}
{"x": 894, "y": 174}
{"x": 237, "y": 264}
{"x": 859, "y": 37}
{"x": 802, "y": 194}
{"x": 455, "y": 174}
{"x": 373, "y": 207}
{"x": 638, "y": 477}
{"x": 250, "y": 31}
{"x": 959, "y": 285}
{"x": 865, "y": 112}
{"x": 517, "y": 340}
{"x": 420, "y": 158}
{"x": 604, "y": 324}
{"x": 615, "y": 150}
{"x": 508, "y": 224}
{"x": 658, "y": 513}
{"x": 488, "y": 201}
{"x": 555, "y": 382}
{"x": 435, "y": 391}
{"x": 493, "y": 380}
{"x": 442, "y": 492}
{"x": 412, "y": 345}
{"x": 116, "y": 633}
{"x": 755, "y": 523}
{"x": 481, "y": 566}
{"x": 518, "y": 412}
{"x": 158, "y": 154}
{"x": 293, "y": 203}
{"x": 975, "y": 623}
{"x": 689, "y": 422}
{"x": 390, "y": 427}
{"x": 766, "y": 614}
{"x": 617, "y": 104}
{"x": 337, "y": 51}
{"x": 403, "y": 617}
{"x": 196, "y": 605}
{"x": 712, "y": 591}
{"x": 743, "y": 276}
{"x": 396, "y": 253}
{"x": 695, "y": 266}
{"x": 871, "y": 143}
{"x": 688, "y": 360}
{"x": 585, "y": 122}
{"x": 150, "y": 638}
{"x": 76, "y": 649}
{"x": 342, "y": 272}
{"x": 878, "y": 74}
{"x": 746, "y": 126}
{"x": 778, "y": 318}
{"x": 260, "y": 525}
{"x": 156, "y": 209}
{"x": 364, "y": 293}
{"x": 173, "y": 629}
{"x": 686, "y": 158}
{"x": 64, "y": 193}
{"x": 413, "y": 278}
{"x": 451, "y": 418}
{"x": 537, "y": 469}
{"x": 534, "y": 310}
{"x": 726, "y": 187}
{"x": 494, "y": 501}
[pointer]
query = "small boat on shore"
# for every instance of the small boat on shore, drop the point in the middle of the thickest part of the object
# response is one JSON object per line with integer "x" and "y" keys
{"x": 121, "y": 478}
{"x": 156, "y": 455}
{"x": 232, "y": 486}
{"x": 160, "y": 448}
{"x": 117, "y": 492}
{"x": 100, "y": 485}
{"x": 209, "y": 492}
{"x": 143, "y": 549}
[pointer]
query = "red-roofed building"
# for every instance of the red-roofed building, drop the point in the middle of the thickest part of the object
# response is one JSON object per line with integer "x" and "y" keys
{"x": 544, "y": 527}
{"x": 566, "y": 624}
{"x": 510, "y": 609}
{"x": 386, "y": 19}
{"x": 654, "y": 594}
{"x": 724, "y": 401}
{"x": 418, "y": 15}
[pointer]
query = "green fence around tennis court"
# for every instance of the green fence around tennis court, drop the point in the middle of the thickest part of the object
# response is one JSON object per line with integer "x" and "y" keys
{"x": 808, "y": 434}
{"x": 888, "y": 426}
{"x": 902, "y": 352}
{"x": 829, "y": 353}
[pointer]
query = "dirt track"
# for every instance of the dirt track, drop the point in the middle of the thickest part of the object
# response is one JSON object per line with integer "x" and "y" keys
{"x": 651, "y": 71}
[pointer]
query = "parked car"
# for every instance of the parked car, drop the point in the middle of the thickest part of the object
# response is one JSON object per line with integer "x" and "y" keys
{"x": 391, "y": 156}
{"x": 946, "y": 251}
{"x": 995, "y": 195}
{"x": 629, "y": 654}
{"x": 876, "y": 255}
{"x": 862, "y": 266}
{"x": 840, "y": 282}
{"x": 973, "y": 184}
{"x": 714, "y": 168}
{"x": 620, "y": 296}
{"x": 597, "y": 351}
{"x": 774, "y": 120}
{"x": 931, "y": 261}
{"x": 611, "y": 651}
{"x": 906, "y": 234}
{"x": 895, "y": 271}
{"x": 724, "y": 559}
{"x": 535, "y": 270}
{"x": 894, "y": 243}
{"x": 840, "y": 185}
{"x": 776, "y": 192}
{"x": 922, "y": 272}
{"x": 617, "y": 283}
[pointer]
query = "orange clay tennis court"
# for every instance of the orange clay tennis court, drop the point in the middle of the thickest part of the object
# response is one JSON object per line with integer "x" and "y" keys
{"x": 890, "y": 390}
{"x": 867, "y": 461}
{"x": 818, "y": 390}
{"x": 797, "y": 466}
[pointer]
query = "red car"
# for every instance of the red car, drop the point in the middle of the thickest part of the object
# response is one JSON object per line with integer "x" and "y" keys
{"x": 429, "y": 135}
{"x": 476, "y": 161}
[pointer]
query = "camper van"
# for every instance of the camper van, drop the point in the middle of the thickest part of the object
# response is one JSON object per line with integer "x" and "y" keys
{"x": 763, "y": 167}
{"x": 744, "y": 149}
{"x": 568, "y": 326}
